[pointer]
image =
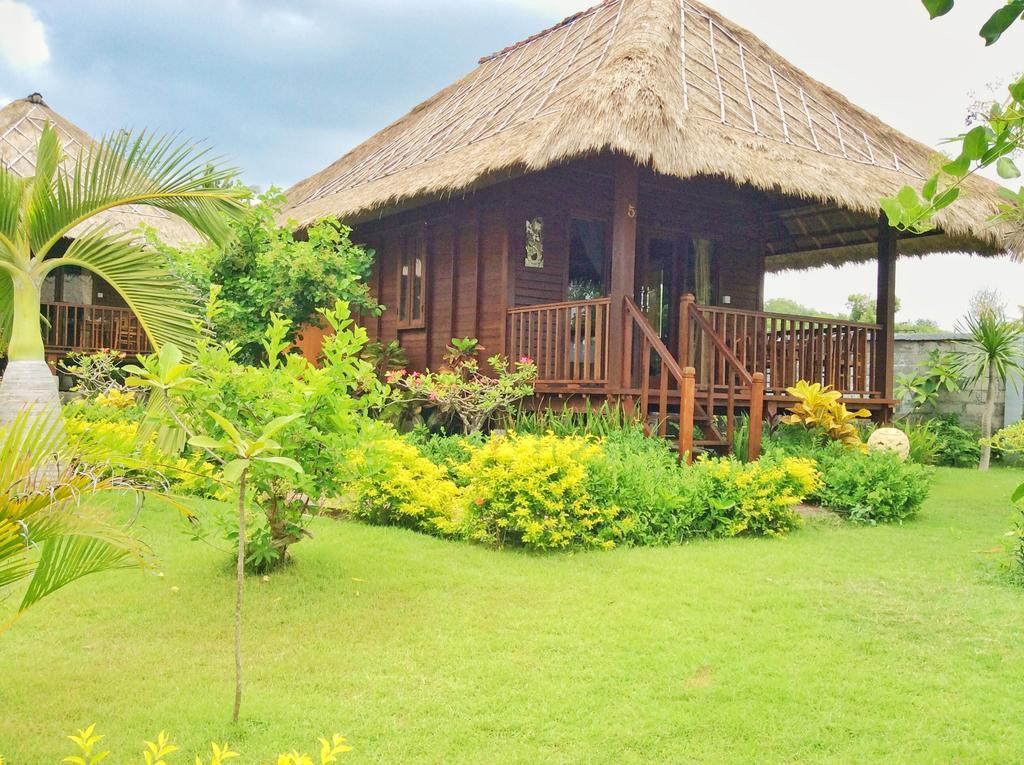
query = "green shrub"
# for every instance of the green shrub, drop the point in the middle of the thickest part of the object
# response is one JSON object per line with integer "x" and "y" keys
{"x": 876, "y": 487}
{"x": 604, "y": 421}
{"x": 957, "y": 446}
{"x": 924, "y": 441}
{"x": 447, "y": 451}
{"x": 533, "y": 491}
{"x": 641, "y": 477}
{"x": 1009, "y": 442}
{"x": 400, "y": 487}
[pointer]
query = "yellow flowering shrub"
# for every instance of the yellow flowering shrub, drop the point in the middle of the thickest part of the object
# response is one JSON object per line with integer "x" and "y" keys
{"x": 159, "y": 752}
{"x": 755, "y": 498}
{"x": 400, "y": 487}
{"x": 112, "y": 446}
{"x": 532, "y": 491}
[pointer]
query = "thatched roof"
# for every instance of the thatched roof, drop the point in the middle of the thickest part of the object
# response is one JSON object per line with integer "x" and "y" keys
{"x": 22, "y": 122}
{"x": 677, "y": 87}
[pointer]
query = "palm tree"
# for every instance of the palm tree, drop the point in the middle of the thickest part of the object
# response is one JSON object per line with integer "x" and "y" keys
{"x": 993, "y": 351}
{"x": 65, "y": 200}
{"x": 48, "y": 535}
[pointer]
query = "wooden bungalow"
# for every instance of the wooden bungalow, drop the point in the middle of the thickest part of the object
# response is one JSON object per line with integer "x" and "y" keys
{"x": 606, "y": 197}
{"x": 82, "y": 311}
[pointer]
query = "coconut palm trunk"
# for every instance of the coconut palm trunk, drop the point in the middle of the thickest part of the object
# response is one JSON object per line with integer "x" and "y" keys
{"x": 55, "y": 218}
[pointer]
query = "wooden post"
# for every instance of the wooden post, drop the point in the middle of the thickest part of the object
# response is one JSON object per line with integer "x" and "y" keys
{"x": 885, "y": 310}
{"x": 627, "y": 182}
{"x": 687, "y": 402}
{"x": 684, "y": 327}
{"x": 756, "y": 417}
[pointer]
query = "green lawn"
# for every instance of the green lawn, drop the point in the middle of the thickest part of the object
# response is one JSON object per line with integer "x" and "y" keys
{"x": 838, "y": 644}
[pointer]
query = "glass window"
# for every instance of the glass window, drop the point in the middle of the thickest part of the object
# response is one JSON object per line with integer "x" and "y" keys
{"x": 535, "y": 243}
{"x": 588, "y": 263}
{"x": 411, "y": 275}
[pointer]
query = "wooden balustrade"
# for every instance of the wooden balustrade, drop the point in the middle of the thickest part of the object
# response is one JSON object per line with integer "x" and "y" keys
{"x": 70, "y": 327}
{"x": 785, "y": 348}
{"x": 724, "y": 379}
{"x": 567, "y": 341}
{"x": 674, "y": 384}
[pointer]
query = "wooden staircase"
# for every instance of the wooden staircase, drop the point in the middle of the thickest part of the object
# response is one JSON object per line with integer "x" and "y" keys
{"x": 707, "y": 396}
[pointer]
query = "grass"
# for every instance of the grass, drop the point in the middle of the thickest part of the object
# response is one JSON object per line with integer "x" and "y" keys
{"x": 836, "y": 645}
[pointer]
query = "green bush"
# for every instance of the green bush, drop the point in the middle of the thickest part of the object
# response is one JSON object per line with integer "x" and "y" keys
{"x": 924, "y": 441}
{"x": 876, "y": 487}
{"x": 533, "y": 491}
{"x": 641, "y": 476}
{"x": 447, "y": 451}
{"x": 957, "y": 446}
{"x": 1008, "y": 443}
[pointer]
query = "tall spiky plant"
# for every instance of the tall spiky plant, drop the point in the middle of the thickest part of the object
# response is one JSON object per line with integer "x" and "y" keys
{"x": 992, "y": 351}
{"x": 65, "y": 200}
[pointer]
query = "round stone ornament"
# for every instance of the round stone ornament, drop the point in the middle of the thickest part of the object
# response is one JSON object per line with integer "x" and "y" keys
{"x": 890, "y": 440}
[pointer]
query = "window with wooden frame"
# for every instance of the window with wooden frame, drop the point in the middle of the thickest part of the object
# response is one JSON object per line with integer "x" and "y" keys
{"x": 412, "y": 283}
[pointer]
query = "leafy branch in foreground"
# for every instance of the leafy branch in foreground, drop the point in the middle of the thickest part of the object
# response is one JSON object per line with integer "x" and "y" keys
{"x": 993, "y": 142}
{"x": 997, "y": 23}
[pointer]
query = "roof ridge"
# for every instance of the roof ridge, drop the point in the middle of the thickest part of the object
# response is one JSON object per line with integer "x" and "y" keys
{"x": 564, "y": 22}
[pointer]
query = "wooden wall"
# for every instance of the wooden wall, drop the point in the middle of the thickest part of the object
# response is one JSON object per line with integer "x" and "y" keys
{"x": 475, "y": 248}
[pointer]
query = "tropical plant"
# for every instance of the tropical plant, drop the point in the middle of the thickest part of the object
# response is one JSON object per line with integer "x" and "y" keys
{"x": 50, "y": 532}
{"x": 992, "y": 351}
{"x": 820, "y": 408}
{"x": 183, "y": 394}
{"x": 323, "y": 265}
{"x": 242, "y": 450}
{"x": 940, "y": 373}
{"x": 465, "y": 390}
{"x": 88, "y": 751}
{"x": 66, "y": 199}
{"x": 385, "y": 357}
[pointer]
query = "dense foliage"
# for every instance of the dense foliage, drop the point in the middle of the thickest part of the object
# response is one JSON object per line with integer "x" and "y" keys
{"x": 322, "y": 266}
{"x": 576, "y": 491}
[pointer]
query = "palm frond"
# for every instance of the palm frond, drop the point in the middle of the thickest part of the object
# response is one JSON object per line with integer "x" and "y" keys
{"x": 165, "y": 306}
{"x": 11, "y": 188}
{"x": 145, "y": 169}
{"x": 47, "y": 533}
{"x": 73, "y": 555}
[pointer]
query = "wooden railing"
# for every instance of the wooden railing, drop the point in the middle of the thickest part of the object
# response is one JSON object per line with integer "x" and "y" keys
{"x": 723, "y": 378}
{"x": 785, "y": 348}
{"x": 88, "y": 328}
{"x": 642, "y": 347}
{"x": 567, "y": 341}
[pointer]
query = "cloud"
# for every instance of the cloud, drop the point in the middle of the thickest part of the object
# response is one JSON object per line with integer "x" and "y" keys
{"x": 22, "y": 36}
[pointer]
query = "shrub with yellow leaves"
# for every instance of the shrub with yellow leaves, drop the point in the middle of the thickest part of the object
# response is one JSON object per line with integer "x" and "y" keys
{"x": 156, "y": 752}
{"x": 820, "y": 407}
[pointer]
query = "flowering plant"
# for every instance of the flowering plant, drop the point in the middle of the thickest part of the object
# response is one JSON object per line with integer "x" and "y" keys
{"x": 465, "y": 390}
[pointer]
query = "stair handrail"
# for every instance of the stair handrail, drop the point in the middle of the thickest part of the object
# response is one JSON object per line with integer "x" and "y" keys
{"x": 685, "y": 377}
{"x": 753, "y": 380}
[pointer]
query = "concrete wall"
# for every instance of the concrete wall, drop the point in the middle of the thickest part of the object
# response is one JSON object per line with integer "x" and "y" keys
{"x": 913, "y": 349}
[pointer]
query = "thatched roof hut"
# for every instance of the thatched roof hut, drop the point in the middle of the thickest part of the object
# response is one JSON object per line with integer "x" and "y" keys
{"x": 680, "y": 89}
{"x": 21, "y": 124}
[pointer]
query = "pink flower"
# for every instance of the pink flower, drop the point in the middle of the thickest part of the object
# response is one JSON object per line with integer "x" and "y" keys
{"x": 525, "y": 360}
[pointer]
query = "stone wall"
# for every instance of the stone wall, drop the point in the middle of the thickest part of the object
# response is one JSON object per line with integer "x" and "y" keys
{"x": 912, "y": 349}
